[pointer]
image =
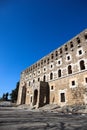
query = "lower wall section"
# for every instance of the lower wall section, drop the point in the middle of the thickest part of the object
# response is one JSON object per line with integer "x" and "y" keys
{"x": 69, "y": 90}
{"x": 44, "y": 97}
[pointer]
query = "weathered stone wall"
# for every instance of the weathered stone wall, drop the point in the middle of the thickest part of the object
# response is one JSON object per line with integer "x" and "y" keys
{"x": 44, "y": 97}
{"x": 65, "y": 70}
{"x": 73, "y": 94}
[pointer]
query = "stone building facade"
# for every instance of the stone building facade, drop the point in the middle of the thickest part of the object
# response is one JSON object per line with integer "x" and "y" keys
{"x": 58, "y": 78}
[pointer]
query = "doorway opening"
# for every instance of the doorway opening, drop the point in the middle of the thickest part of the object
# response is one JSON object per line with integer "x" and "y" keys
{"x": 62, "y": 97}
{"x": 35, "y": 97}
{"x": 23, "y": 97}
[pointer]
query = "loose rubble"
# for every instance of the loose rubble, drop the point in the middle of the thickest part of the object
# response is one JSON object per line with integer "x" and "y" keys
{"x": 6, "y": 104}
{"x": 24, "y": 119}
{"x": 76, "y": 109}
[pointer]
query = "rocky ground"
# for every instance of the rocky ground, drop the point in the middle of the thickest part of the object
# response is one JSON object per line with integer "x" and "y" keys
{"x": 77, "y": 109}
{"x": 46, "y": 118}
{"x": 6, "y": 104}
{"x": 21, "y": 119}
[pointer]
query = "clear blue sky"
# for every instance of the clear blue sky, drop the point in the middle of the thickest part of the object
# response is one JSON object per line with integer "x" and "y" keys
{"x": 30, "y": 29}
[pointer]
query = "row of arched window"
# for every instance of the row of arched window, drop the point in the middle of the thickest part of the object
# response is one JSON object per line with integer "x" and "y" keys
{"x": 59, "y": 74}
{"x": 82, "y": 67}
{"x": 55, "y": 54}
{"x": 81, "y": 64}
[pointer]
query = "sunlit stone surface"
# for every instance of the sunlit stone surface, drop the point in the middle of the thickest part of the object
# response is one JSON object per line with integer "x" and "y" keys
{"x": 19, "y": 119}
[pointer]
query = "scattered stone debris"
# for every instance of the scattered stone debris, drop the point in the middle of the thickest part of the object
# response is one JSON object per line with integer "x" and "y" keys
{"x": 16, "y": 119}
{"x": 7, "y": 104}
{"x": 76, "y": 109}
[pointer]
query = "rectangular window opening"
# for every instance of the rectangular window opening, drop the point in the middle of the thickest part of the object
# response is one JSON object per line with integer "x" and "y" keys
{"x": 51, "y": 87}
{"x": 62, "y": 97}
{"x": 85, "y": 36}
{"x": 73, "y": 83}
{"x": 80, "y": 52}
{"x": 86, "y": 79}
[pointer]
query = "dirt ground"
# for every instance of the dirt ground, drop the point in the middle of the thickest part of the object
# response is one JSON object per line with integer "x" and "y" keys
{"x": 23, "y": 119}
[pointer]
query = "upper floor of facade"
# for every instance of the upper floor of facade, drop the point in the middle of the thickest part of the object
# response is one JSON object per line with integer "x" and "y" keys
{"x": 71, "y": 57}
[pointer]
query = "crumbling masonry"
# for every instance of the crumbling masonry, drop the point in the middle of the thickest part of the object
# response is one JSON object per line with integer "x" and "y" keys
{"x": 58, "y": 78}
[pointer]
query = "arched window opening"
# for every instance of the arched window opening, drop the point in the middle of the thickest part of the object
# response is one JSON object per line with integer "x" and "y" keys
{"x": 69, "y": 69}
{"x": 38, "y": 79}
{"x": 41, "y": 62}
{"x": 52, "y": 56}
{"x": 82, "y": 65}
{"x": 71, "y": 44}
{"x": 51, "y": 66}
{"x": 44, "y": 61}
{"x": 78, "y": 40}
{"x": 48, "y": 61}
{"x": 66, "y": 48}
{"x": 60, "y": 50}
{"x": 59, "y": 73}
{"x": 68, "y": 57}
{"x": 29, "y": 83}
{"x": 51, "y": 76}
{"x": 56, "y": 53}
{"x": 36, "y": 65}
{"x": 44, "y": 78}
